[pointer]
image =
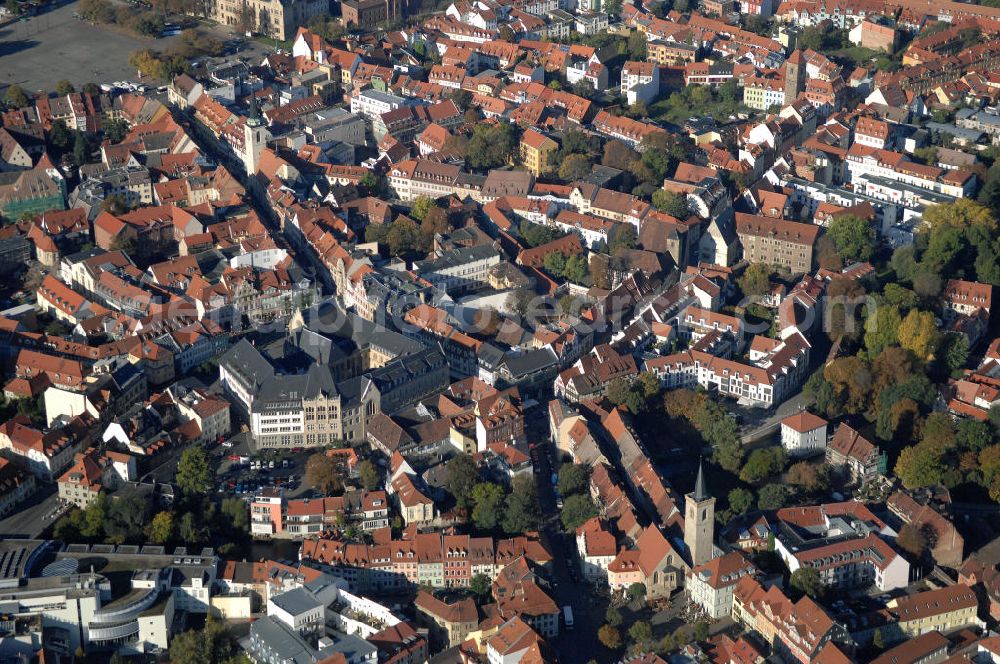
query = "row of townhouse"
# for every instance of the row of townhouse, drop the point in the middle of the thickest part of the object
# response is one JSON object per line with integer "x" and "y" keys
{"x": 798, "y": 631}
{"x": 434, "y": 559}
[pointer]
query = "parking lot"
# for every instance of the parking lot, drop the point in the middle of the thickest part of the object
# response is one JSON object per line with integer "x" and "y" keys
{"x": 42, "y": 50}
{"x": 242, "y": 472}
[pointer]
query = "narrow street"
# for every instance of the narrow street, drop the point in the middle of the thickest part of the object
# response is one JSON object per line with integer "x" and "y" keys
{"x": 580, "y": 644}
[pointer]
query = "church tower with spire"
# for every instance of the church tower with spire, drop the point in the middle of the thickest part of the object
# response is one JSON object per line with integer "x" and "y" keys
{"x": 255, "y": 137}
{"x": 699, "y": 521}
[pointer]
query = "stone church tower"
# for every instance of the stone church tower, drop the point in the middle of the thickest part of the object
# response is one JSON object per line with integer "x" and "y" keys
{"x": 795, "y": 76}
{"x": 699, "y": 522}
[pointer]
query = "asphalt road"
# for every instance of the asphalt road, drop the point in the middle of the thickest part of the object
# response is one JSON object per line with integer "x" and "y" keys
{"x": 579, "y": 644}
{"x": 32, "y": 518}
{"x": 768, "y": 425}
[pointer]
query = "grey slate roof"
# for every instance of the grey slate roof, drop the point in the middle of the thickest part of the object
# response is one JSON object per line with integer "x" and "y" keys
{"x": 531, "y": 362}
{"x": 297, "y": 601}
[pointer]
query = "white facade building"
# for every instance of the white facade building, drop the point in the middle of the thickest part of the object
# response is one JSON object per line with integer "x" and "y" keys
{"x": 803, "y": 433}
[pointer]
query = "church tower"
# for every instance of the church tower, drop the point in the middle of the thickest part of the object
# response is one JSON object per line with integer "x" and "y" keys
{"x": 255, "y": 137}
{"x": 795, "y": 76}
{"x": 699, "y": 522}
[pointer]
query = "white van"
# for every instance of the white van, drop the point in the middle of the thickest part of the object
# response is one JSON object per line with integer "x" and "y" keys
{"x": 568, "y": 616}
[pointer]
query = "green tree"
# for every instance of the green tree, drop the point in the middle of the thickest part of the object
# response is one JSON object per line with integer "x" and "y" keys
{"x": 943, "y": 248}
{"x": 939, "y": 432}
{"x": 853, "y": 236}
{"x": 578, "y": 142}
{"x": 882, "y": 329}
{"x": 554, "y": 263}
{"x": 211, "y": 645}
{"x": 573, "y": 478}
{"x": 487, "y": 500}
{"x": 808, "y": 582}
{"x": 60, "y": 137}
{"x": 235, "y": 515}
{"x": 674, "y": 204}
{"x": 463, "y": 476}
{"x": 641, "y": 632}
{"x": 95, "y": 516}
{"x": 763, "y": 463}
{"x": 577, "y": 510}
{"x": 15, "y": 97}
{"x": 421, "y": 206}
{"x": 904, "y": 262}
{"x": 618, "y": 390}
{"x": 161, "y": 528}
{"x": 927, "y": 284}
{"x": 701, "y": 631}
{"x": 69, "y": 528}
{"x": 973, "y": 434}
{"x": 368, "y": 475}
{"x": 81, "y": 149}
{"x": 115, "y": 130}
{"x": 636, "y": 591}
{"x": 613, "y": 616}
{"x": 755, "y": 280}
{"x": 404, "y": 238}
{"x": 740, "y": 501}
{"x": 126, "y": 519}
{"x": 536, "y": 234}
{"x": 637, "y": 45}
{"x": 519, "y": 301}
{"x": 622, "y": 236}
{"x": 491, "y": 145}
{"x": 522, "y": 512}
{"x": 482, "y": 587}
{"x": 772, "y": 497}
{"x": 194, "y": 476}
{"x": 373, "y": 184}
{"x": 64, "y": 87}
{"x": 919, "y": 466}
{"x": 577, "y": 268}
{"x": 191, "y": 530}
